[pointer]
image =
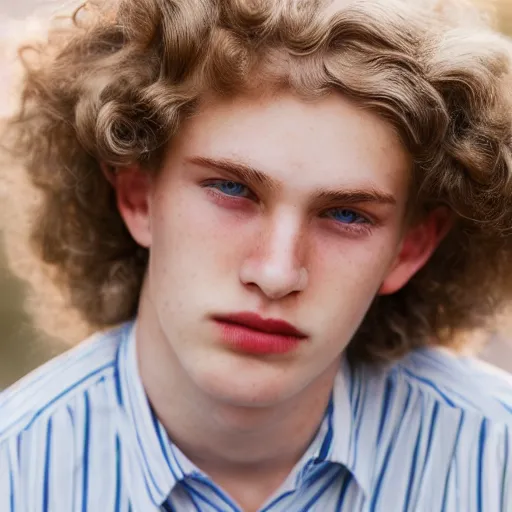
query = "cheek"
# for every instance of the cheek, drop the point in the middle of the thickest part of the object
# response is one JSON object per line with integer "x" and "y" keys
{"x": 191, "y": 231}
{"x": 345, "y": 275}
{"x": 353, "y": 260}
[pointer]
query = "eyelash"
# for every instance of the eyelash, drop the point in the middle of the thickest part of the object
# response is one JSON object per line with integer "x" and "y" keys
{"x": 214, "y": 184}
{"x": 362, "y": 224}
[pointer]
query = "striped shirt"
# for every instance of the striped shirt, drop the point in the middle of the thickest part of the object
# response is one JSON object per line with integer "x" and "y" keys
{"x": 430, "y": 433}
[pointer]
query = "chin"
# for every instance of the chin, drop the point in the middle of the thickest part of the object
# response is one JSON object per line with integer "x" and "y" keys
{"x": 246, "y": 384}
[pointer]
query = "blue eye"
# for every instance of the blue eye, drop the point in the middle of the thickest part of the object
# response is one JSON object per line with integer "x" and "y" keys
{"x": 346, "y": 216}
{"x": 230, "y": 188}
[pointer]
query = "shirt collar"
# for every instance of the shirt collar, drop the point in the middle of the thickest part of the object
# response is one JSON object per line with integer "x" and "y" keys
{"x": 349, "y": 445}
{"x": 156, "y": 465}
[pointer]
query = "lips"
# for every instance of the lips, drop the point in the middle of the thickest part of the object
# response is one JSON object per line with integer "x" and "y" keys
{"x": 268, "y": 325}
{"x": 250, "y": 333}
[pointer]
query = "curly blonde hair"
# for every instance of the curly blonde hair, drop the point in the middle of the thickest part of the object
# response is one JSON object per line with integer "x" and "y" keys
{"x": 114, "y": 86}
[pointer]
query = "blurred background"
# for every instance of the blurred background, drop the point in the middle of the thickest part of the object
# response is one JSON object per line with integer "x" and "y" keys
{"x": 22, "y": 345}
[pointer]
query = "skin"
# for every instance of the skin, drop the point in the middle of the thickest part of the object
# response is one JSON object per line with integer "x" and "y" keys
{"x": 311, "y": 239}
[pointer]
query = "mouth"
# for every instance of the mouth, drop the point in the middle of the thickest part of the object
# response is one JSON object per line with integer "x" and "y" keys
{"x": 257, "y": 323}
{"x": 250, "y": 333}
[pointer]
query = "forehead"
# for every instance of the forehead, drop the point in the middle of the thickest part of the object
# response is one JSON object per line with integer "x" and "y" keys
{"x": 326, "y": 142}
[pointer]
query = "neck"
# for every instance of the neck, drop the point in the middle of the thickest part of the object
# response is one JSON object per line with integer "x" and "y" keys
{"x": 228, "y": 442}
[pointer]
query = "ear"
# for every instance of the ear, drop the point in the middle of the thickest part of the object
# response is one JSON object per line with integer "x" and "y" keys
{"x": 132, "y": 187}
{"x": 418, "y": 245}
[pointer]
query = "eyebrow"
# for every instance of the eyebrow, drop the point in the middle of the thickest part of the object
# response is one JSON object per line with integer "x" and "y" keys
{"x": 250, "y": 175}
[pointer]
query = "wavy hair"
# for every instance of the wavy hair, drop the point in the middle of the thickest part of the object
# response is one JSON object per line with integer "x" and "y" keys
{"x": 114, "y": 85}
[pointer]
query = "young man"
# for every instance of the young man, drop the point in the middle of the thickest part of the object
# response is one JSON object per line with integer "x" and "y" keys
{"x": 287, "y": 209}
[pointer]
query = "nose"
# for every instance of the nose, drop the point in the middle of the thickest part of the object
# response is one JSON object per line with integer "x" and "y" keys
{"x": 275, "y": 261}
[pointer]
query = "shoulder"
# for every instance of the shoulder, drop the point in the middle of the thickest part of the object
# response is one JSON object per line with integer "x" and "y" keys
{"x": 462, "y": 383}
{"x": 58, "y": 382}
{"x": 439, "y": 415}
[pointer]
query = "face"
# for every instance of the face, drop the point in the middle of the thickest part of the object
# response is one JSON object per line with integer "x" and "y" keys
{"x": 272, "y": 205}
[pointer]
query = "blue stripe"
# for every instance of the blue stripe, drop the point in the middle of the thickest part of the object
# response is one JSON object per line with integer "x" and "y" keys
{"x": 433, "y": 421}
{"x": 481, "y": 450}
{"x": 457, "y": 437}
{"x": 42, "y": 378}
{"x": 358, "y": 397}
{"x": 10, "y": 464}
{"x": 47, "y": 459}
{"x": 435, "y": 362}
{"x": 11, "y": 480}
{"x": 318, "y": 471}
{"x": 385, "y": 409}
{"x": 71, "y": 415}
{"x": 216, "y": 490}
{"x": 59, "y": 396}
{"x": 326, "y": 444}
{"x": 389, "y": 450}
{"x": 87, "y": 425}
{"x": 378, "y": 485}
{"x": 412, "y": 470}
{"x": 142, "y": 452}
{"x": 168, "y": 507}
{"x": 432, "y": 385}
{"x": 279, "y": 499}
{"x": 117, "y": 507}
{"x": 117, "y": 377}
{"x": 343, "y": 491}
{"x": 170, "y": 459}
{"x": 354, "y": 441}
{"x": 192, "y": 491}
{"x": 177, "y": 462}
{"x": 505, "y": 470}
{"x": 336, "y": 472}
{"x": 507, "y": 407}
{"x": 164, "y": 446}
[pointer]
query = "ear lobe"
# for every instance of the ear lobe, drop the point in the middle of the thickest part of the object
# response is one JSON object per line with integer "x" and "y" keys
{"x": 419, "y": 243}
{"x": 132, "y": 187}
